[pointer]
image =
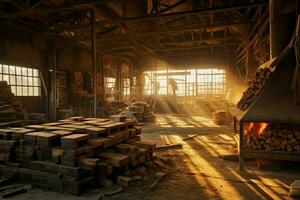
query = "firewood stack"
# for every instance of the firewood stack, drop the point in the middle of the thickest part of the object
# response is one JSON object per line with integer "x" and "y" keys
{"x": 273, "y": 138}
{"x": 62, "y": 90}
{"x": 261, "y": 77}
{"x": 73, "y": 154}
{"x": 8, "y": 98}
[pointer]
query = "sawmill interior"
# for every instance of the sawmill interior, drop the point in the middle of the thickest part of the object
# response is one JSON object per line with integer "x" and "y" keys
{"x": 149, "y": 99}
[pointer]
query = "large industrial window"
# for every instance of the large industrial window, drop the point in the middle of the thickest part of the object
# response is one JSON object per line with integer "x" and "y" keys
{"x": 22, "y": 80}
{"x": 126, "y": 86}
{"x": 211, "y": 81}
{"x": 149, "y": 83}
{"x": 188, "y": 82}
{"x": 109, "y": 83}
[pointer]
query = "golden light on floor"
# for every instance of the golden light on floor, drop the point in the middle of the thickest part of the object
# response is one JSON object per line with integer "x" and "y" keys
{"x": 166, "y": 121}
{"x": 227, "y": 181}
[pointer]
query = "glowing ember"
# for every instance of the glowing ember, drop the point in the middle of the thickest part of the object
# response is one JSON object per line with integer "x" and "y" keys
{"x": 262, "y": 127}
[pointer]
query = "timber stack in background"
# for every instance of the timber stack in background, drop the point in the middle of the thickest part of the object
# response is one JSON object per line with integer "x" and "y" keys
{"x": 10, "y": 107}
{"x": 73, "y": 154}
{"x": 142, "y": 111}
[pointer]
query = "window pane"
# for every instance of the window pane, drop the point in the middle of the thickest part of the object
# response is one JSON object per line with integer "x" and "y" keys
{"x": 12, "y": 80}
{"x": 25, "y": 91}
{"x": 19, "y": 90}
{"x": 5, "y": 69}
{"x": 30, "y": 91}
{"x": 12, "y": 69}
{"x": 6, "y": 78}
{"x": 19, "y": 80}
{"x": 18, "y": 70}
{"x": 36, "y": 91}
{"x": 30, "y": 81}
{"x": 29, "y": 72}
{"x": 24, "y": 71}
{"x": 35, "y": 72}
{"x": 0, "y": 68}
{"x": 24, "y": 81}
{"x": 35, "y": 82}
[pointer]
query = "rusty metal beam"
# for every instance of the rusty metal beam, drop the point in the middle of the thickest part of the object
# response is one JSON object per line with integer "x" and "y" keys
{"x": 171, "y": 30}
{"x": 94, "y": 62}
{"x": 81, "y": 5}
{"x": 159, "y": 16}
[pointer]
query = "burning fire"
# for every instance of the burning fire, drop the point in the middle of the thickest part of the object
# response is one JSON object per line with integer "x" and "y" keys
{"x": 257, "y": 128}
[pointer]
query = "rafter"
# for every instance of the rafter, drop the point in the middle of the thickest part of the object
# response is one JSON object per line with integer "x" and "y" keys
{"x": 157, "y": 17}
{"x": 173, "y": 30}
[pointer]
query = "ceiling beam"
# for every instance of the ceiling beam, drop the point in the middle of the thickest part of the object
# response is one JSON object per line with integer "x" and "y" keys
{"x": 151, "y": 45}
{"x": 78, "y": 5}
{"x": 172, "y": 30}
{"x": 159, "y": 16}
{"x": 174, "y": 48}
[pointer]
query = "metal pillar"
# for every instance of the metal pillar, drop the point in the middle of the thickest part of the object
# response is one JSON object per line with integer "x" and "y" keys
{"x": 119, "y": 82}
{"x": 240, "y": 147}
{"x": 101, "y": 70}
{"x": 53, "y": 83}
{"x": 94, "y": 62}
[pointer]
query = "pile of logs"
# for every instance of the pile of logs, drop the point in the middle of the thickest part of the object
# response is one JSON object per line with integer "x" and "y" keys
{"x": 73, "y": 154}
{"x": 261, "y": 77}
{"x": 7, "y": 98}
{"x": 273, "y": 138}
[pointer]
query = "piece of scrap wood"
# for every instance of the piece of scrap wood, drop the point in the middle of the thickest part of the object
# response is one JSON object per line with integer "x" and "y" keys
{"x": 168, "y": 147}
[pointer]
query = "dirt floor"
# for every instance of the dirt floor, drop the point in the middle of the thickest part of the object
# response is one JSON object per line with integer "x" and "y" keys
{"x": 199, "y": 170}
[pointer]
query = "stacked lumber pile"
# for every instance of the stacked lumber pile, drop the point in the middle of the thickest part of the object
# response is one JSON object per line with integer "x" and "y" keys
{"x": 115, "y": 107}
{"x": 87, "y": 81}
{"x": 8, "y": 98}
{"x": 272, "y": 138}
{"x": 62, "y": 90}
{"x": 7, "y": 113}
{"x": 73, "y": 154}
{"x": 80, "y": 99}
{"x": 142, "y": 111}
{"x": 261, "y": 77}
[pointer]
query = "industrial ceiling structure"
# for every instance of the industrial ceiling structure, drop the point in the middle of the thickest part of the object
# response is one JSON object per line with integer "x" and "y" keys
{"x": 127, "y": 29}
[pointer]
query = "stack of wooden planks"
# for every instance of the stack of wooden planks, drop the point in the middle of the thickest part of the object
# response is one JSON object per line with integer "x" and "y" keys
{"x": 261, "y": 77}
{"x": 72, "y": 154}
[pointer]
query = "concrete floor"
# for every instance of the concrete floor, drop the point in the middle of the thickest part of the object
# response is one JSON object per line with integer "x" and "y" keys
{"x": 200, "y": 171}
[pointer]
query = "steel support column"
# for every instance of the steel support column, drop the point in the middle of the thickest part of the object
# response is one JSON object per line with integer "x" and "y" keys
{"x": 94, "y": 61}
{"x": 53, "y": 83}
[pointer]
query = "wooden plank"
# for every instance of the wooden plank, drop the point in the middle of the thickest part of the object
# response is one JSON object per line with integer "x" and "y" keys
{"x": 114, "y": 159}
